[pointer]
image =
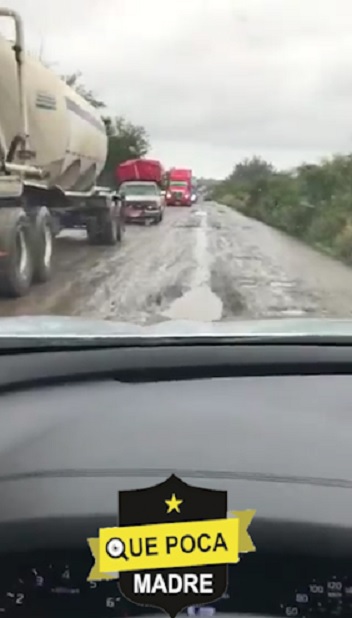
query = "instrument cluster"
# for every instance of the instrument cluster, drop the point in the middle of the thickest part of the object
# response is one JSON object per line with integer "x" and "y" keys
{"x": 54, "y": 584}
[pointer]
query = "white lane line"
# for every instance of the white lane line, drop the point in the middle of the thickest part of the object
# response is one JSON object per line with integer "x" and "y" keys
{"x": 201, "y": 274}
{"x": 199, "y": 303}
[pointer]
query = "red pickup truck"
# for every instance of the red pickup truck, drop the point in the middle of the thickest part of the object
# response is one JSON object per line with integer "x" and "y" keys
{"x": 179, "y": 187}
{"x": 140, "y": 182}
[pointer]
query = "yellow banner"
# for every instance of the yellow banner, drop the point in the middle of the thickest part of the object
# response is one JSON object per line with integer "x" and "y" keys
{"x": 95, "y": 575}
{"x": 174, "y": 545}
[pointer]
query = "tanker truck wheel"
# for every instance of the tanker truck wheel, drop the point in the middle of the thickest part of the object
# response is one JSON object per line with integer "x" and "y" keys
{"x": 42, "y": 240}
{"x": 93, "y": 231}
{"x": 16, "y": 262}
{"x": 106, "y": 228}
{"x": 102, "y": 231}
{"x": 121, "y": 227}
{"x": 111, "y": 232}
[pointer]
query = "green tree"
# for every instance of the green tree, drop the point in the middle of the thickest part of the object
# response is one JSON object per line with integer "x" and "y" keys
{"x": 126, "y": 141}
{"x": 248, "y": 178}
{"x": 251, "y": 170}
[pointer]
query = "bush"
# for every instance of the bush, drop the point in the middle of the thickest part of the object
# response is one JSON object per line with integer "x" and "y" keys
{"x": 325, "y": 226}
{"x": 342, "y": 244}
{"x": 313, "y": 202}
{"x": 233, "y": 201}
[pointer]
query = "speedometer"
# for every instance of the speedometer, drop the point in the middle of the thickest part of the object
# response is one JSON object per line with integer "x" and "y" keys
{"x": 321, "y": 597}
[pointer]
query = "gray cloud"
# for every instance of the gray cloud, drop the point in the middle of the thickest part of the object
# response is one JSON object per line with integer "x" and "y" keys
{"x": 213, "y": 79}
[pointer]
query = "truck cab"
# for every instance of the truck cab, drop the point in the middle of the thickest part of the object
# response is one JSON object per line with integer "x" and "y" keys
{"x": 179, "y": 191}
{"x": 143, "y": 201}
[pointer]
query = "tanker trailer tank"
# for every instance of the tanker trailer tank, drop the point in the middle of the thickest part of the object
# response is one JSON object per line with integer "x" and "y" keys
{"x": 53, "y": 147}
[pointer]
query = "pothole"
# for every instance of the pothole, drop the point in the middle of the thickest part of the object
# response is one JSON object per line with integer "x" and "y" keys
{"x": 199, "y": 303}
{"x": 232, "y": 300}
{"x": 165, "y": 296}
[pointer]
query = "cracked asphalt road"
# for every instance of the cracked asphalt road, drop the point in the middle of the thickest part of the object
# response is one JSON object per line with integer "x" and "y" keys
{"x": 206, "y": 263}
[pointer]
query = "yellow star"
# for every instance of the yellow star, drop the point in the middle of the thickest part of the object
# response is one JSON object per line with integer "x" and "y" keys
{"x": 173, "y": 504}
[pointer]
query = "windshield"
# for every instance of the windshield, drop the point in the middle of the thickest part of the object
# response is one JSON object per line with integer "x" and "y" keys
{"x": 139, "y": 189}
{"x": 259, "y": 122}
{"x": 178, "y": 183}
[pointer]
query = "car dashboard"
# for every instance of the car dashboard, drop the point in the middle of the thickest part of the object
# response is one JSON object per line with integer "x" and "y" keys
{"x": 54, "y": 583}
{"x": 271, "y": 425}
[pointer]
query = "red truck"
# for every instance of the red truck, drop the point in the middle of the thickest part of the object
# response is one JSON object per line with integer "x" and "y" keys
{"x": 140, "y": 181}
{"x": 179, "y": 187}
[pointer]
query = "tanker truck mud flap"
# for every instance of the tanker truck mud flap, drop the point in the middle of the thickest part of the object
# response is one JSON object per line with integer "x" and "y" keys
{"x": 16, "y": 261}
{"x": 41, "y": 242}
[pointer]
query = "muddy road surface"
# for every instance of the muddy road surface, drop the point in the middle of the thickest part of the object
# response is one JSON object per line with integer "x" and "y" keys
{"x": 204, "y": 263}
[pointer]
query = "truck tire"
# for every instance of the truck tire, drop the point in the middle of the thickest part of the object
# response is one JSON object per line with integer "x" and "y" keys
{"x": 16, "y": 261}
{"x": 157, "y": 219}
{"x": 93, "y": 231}
{"x": 107, "y": 228}
{"x": 121, "y": 226}
{"x": 41, "y": 233}
{"x": 111, "y": 231}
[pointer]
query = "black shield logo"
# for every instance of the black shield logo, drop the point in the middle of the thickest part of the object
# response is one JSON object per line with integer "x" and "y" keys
{"x": 172, "y": 501}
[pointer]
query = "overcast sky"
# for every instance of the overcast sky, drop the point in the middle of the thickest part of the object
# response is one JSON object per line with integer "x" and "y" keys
{"x": 211, "y": 80}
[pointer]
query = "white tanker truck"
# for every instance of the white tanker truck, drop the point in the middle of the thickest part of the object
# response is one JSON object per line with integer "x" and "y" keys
{"x": 53, "y": 146}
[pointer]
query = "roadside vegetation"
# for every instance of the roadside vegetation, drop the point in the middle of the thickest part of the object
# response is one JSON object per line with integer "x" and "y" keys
{"x": 311, "y": 202}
